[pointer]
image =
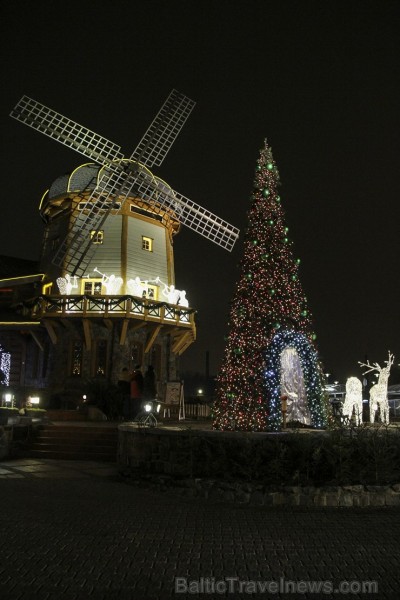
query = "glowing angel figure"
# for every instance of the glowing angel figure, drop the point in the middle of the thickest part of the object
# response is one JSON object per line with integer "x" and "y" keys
{"x": 378, "y": 392}
{"x": 111, "y": 283}
{"x": 66, "y": 285}
{"x": 171, "y": 293}
{"x": 135, "y": 287}
{"x": 183, "y": 301}
{"x": 353, "y": 400}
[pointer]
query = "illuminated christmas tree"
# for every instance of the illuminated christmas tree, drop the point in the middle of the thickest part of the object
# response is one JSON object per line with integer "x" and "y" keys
{"x": 270, "y": 351}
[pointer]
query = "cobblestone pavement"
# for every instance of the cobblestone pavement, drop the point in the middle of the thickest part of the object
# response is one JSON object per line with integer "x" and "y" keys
{"x": 73, "y": 530}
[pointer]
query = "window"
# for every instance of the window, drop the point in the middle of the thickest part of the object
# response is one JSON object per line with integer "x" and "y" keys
{"x": 97, "y": 236}
{"x": 151, "y": 292}
{"x": 136, "y": 354}
{"x": 155, "y": 360}
{"x": 35, "y": 361}
{"x": 55, "y": 242}
{"x": 101, "y": 358}
{"x": 76, "y": 357}
{"x": 45, "y": 360}
{"x": 92, "y": 287}
{"x": 147, "y": 244}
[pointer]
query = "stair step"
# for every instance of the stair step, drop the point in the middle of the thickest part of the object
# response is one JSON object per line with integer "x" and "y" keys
{"x": 70, "y": 443}
{"x": 77, "y": 435}
{"x": 75, "y": 442}
{"x": 68, "y": 455}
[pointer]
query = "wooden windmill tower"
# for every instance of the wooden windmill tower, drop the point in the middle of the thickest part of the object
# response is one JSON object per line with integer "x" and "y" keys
{"x": 109, "y": 297}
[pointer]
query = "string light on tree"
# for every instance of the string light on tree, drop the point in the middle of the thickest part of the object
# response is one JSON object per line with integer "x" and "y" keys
{"x": 268, "y": 315}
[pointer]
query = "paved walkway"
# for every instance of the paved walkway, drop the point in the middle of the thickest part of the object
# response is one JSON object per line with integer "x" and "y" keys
{"x": 72, "y": 530}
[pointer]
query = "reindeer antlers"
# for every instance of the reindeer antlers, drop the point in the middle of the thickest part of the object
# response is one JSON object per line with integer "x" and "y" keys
{"x": 375, "y": 366}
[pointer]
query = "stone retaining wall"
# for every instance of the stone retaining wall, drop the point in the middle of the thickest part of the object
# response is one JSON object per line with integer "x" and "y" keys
{"x": 167, "y": 459}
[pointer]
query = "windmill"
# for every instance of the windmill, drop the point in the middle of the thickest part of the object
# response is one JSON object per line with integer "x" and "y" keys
{"x": 121, "y": 177}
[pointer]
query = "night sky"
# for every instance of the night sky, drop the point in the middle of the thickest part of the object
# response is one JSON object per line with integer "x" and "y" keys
{"x": 319, "y": 80}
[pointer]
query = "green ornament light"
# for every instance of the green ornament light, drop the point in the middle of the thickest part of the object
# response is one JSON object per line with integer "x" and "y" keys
{"x": 265, "y": 192}
{"x": 270, "y": 222}
{"x": 298, "y": 261}
{"x": 270, "y": 166}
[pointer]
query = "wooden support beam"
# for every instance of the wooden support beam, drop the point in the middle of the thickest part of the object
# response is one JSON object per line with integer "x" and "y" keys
{"x": 124, "y": 329}
{"x": 108, "y": 323}
{"x": 50, "y": 330}
{"x": 181, "y": 341}
{"x": 35, "y": 337}
{"x": 151, "y": 338}
{"x": 87, "y": 331}
{"x": 138, "y": 325}
{"x": 188, "y": 343}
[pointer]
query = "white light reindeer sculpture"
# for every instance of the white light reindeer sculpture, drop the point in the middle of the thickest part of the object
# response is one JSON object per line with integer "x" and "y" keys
{"x": 353, "y": 400}
{"x": 378, "y": 392}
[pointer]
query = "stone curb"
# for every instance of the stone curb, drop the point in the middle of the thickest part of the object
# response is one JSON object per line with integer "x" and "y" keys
{"x": 248, "y": 494}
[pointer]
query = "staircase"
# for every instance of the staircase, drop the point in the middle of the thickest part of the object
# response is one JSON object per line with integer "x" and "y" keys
{"x": 75, "y": 442}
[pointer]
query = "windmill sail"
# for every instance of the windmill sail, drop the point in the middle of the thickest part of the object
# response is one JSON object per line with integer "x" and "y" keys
{"x": 122, "y": 178}
{"x": 163, "y": 131}
{"x": 63, "y": 130}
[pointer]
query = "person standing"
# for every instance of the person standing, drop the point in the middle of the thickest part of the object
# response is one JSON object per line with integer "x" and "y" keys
{"x": 136, "y": 391}
{"x": 124, "y": 386}
{"x": 149, "y": 384}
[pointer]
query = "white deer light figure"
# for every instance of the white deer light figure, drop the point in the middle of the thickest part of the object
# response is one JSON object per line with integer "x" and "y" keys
{"x": 378, "y": 392}
{"x": 353, "y": 400}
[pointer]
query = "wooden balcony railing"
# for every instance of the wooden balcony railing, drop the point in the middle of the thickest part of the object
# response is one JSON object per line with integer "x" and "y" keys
{"x": 126, "y": 307}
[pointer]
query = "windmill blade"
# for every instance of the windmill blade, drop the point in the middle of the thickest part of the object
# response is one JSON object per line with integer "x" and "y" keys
{"x": 77, "y": 249}
{"x": 204, "y": 222}
{"x": 65, "y": 131}
{"x": 163, "y": 131}
{"x": 188, "y": 213}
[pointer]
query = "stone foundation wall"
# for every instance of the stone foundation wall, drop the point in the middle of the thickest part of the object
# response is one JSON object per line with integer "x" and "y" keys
{"x": 195, "y": 464}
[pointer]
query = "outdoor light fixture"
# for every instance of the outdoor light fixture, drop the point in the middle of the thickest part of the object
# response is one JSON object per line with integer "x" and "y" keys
{"x": 147, "y": 415}
{"x": 34, "y": 399}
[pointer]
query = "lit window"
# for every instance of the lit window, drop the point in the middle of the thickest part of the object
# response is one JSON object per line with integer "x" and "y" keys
{"x": 76, "y": 357}
{"x": 97, "y": 236}
{"x": 91, "y": 287}
{"x": 150, "y": 292}
{"x": 101, "y": 357}
{"x": 147, "y": 244}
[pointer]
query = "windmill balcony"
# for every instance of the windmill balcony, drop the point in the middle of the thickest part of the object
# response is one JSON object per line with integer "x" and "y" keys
{"x": 128, "y": 309}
